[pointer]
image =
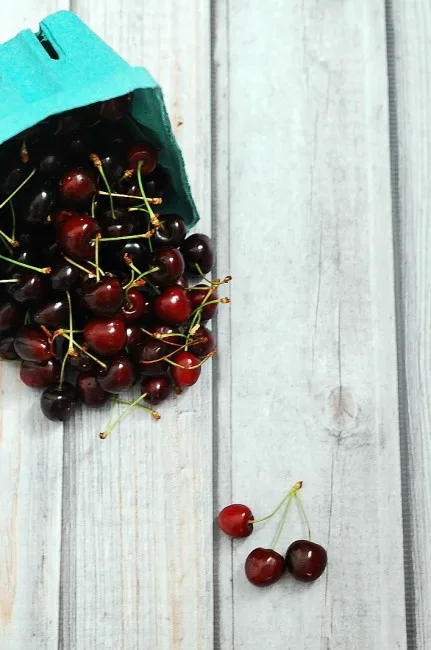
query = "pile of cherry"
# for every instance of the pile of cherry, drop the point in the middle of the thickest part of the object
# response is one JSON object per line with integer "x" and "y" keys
{"x": 304, "y": 559}
{"x": 99, "y": 291}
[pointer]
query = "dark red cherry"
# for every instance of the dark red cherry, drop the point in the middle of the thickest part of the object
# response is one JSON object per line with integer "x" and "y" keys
{"x": 58, "y": 403}
{"x": 64, "y": 276}
{"x": 136, "y": 306}
{"x": 90, "y": 391}
{"x": 53, "y": 314}
{"x": 120, "y": 223}
{"x": 306, "y": 560}
{"x": 157, "y": 389}
{"x": 170, "y": 265}
{"x": 118, "y": 377}
{"x": 103, "y": 297}
{"x": 52, "y": 164}
{"x": 182, "y": 282}
{"x": 113, "y": 257}
{"x": 171, "y": 232}
{"x": 114, "y": 109}
{"x": 189, "y": 371}
{"x": 76, "y": 235}
{"x": 264, "y": 566}
{"x": 13, "y": 179}
{"x": 31, "y": 344}
{"x": 133, "y": 337}
{"x": 80, "y": 145}
{"x": 198, "y": 251}
{"x": 173, "y": 305}
{"x": 7, "y": 348}
{"x": 30, "y": 288}
{"x": 234, "y": 520}
{"x": 161, "y": 328}
{"x": 39, "y": 375}
{"x": 39, "y": 203}
{"x": 11, "y": 315}
{"x": 199, "y": 295}
{"x": 106, "y": 335}
{"x": 150, "y": 357}
{"x": 145, "y": 152}
{"x": 77, "y": 188}
{"x": 82, "y": 362}
{"x": 205, "y": 342}
{"x": 114, "y": 165}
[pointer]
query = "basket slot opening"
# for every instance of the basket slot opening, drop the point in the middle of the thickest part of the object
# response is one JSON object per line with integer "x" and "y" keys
{"x": 47, "y": 46}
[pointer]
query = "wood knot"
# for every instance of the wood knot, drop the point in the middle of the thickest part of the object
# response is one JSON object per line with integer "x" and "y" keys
{"x": 342, "y": 409}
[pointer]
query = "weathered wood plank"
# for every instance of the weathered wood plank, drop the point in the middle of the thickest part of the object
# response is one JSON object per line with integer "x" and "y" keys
{"x": 313, "y": 366}
{"x": 410, "y": 46}
{"x": 137, "y": 554}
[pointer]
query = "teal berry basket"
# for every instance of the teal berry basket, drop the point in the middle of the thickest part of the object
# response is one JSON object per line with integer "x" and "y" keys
{"x": 65, "y": 66}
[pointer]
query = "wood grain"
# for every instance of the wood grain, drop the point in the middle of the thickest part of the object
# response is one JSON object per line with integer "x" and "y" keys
{"x": 411, "y": 23}
{"x": 312, "y": 392}
{"x": 137, "y": 509}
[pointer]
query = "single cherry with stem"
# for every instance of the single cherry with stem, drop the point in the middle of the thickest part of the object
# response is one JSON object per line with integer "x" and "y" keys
{"x": 156, "y": 388}
{"x": 186, "y": 367}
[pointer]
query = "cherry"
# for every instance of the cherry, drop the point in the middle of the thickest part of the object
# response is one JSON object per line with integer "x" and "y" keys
{"x": 64, "y": 276}
{"x": 198, "y": 295}
{"x": 118, "y": 376}
{"x": 156, "y": 389}
{"x": 81, "y": 362}
{"x": 76, "y": 234}
{"x": 114, "y": 109}
{"x": 7, "y": 348}
{"x": 117, "y": 224}
{"x": 58, "y": 403}
{"x": 306, "y": 560}
{"x": 182, "y": 282}
{"x": 53, "y": 314}
{"x": 31, "y": 344}
{"x": 113, "y": 163}
{"x": 80, "y": 145}
{"x": 136, "y": 306}
{"x": 150, "y": 357}
{"x": 189, "y": 372}
{"x": 30, "y": 288}
{"x": 135, "y": 249}
{"x": 198, "y": 251}
{"x": 103, "y": 297}
{"x": 171, "y": 232}
{"x": 206, "y": 343}
{"x": 40, "y": 375}
{"x": 52, "y": 165}
{"x": 161, "y": 328}
{"x": 264, "y": 566}
{"x": 13, "y": 179}
{"x": 170, "y": 265}
{"x": 69, "y": 122}
{"x": 144, "y": 152}
{"x": 10, "y": 315}
{"x": 173, "y": 305}
{"x": 90, "y": 391}
{"x": 106, "y": 335}
{"x": 77, "y": 187}
{"x": 39, "y": 204}
{"x": 234, "y": 520}
{"x": 133, "y": 337}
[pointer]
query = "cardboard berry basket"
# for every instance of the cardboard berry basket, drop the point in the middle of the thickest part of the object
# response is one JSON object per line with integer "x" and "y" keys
{"x": 66, "y": 66}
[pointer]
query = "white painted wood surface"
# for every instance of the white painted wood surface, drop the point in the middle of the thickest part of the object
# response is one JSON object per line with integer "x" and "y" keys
{"x": 111, "y": 545}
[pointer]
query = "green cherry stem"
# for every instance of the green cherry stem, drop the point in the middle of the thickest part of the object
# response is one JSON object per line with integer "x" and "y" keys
{"x": 282, "y": 522}
{"x": 69, "y": 302}
{"x": 98, "y": 165}
{"x": 93, "y": 207}
{"x": 145, "y": 235}
{"x": 102, "y": 273}
{"x": 78, "y": 266}
{"x": 25, "y": 181}
{"x": 302, "y": 511}
{"x": 63, "y": 369}
{"x": 12, "y": 209}
{"x": 45, "y": 270}
{"x": 111, "y": 426}
{"x": 80, "y": 347}
{"x": 96, "y": 257}
{"x": 274, "y": 512}
{"x": 9, "y": 280}
{"x": 155, "y": 201}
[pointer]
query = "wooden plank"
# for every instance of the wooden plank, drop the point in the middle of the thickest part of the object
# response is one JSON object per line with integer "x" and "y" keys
{"x": 31, "y": 463}
{"x": 313, "y": 357}
{"x": 409, "y": 33}
{"x": 137, "y": 550}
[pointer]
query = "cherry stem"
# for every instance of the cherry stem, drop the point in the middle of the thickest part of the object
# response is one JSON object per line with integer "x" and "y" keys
{"x": 69, "y": 301}
{"x": 27, "y": 318}
{"x": 9, "y": 280}
{"x": 93, "y": 207}
{"x": 96, "y": 258}
{"x": 145, "y": 235}
{"x": 100, "y": 270}
{"x": 110, "y": 427}
{"x": 198, "y": 365}
{"x": 80, "y": 347}
{"x": 155, "y": 201}
{"x": 12, "y": 209}
{"x": 25, "y": 181}
{"x": 45, "y": 270}
{"x": 63, "y": 368}
{"x": 274, "y": 512}
{"x": 78, "y": 266}
{"x": 98, "y": 164}
{"x": 9, "y": 240}
{"x": 162, "y": 337}
{"x": 154, "y": 220}
{"x": 282, "y": 522}
{"x": 302, "y": 511}
{"x": 24, "y": 152}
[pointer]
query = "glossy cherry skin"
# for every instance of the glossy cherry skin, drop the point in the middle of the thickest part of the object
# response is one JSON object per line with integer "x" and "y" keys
{"x": 157, "y": 388}
{"x": 119, "y": 223}
{"x": 171, "y": 232}
{"x": 161, "y": 328}
{"x": 133, "y": 337}
{"x": 77, "y": 188}
{"x": 76, "y": 233}
{"x": 57, "y": 403}
{"x": 136, "y": 306}
{"x": 173, "y": 306}
{"x": 182, "y": 282}
{"x": 197, "y": 251}
{"x": 170, "y": 264}
{"x": 115, "y": 109}
{"x": 52, "y": 164}
{"x": 144, "y": 152}
{"x": 234, "y": 520}
{"x": 189, "y": 372}
{"x": 11, "y": 315}
{"x": 53, "y": 314}
{"x": 30, "y": 288}
{"x": 206, "y": 342}
{"x": 150, "y": 357}
{"x": 31, "y": 344}
{"x": 90, "y": 391}
{"x": 198, "y": 295}
{"x": 39, "y": 375}
{"x": 13, "y": 179}
{"x": 106, "y": 335}
{"x": 113, "y": 164}
{"x": 306, "y": 560}
{"x": 103, "y": 297}
{"x": 264, "y": 566}
{"x": 64, "y": 276}
{"x": 118, "y": 377}
{"x": 7, "y": 348}
{"x": 39, "y": 203}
